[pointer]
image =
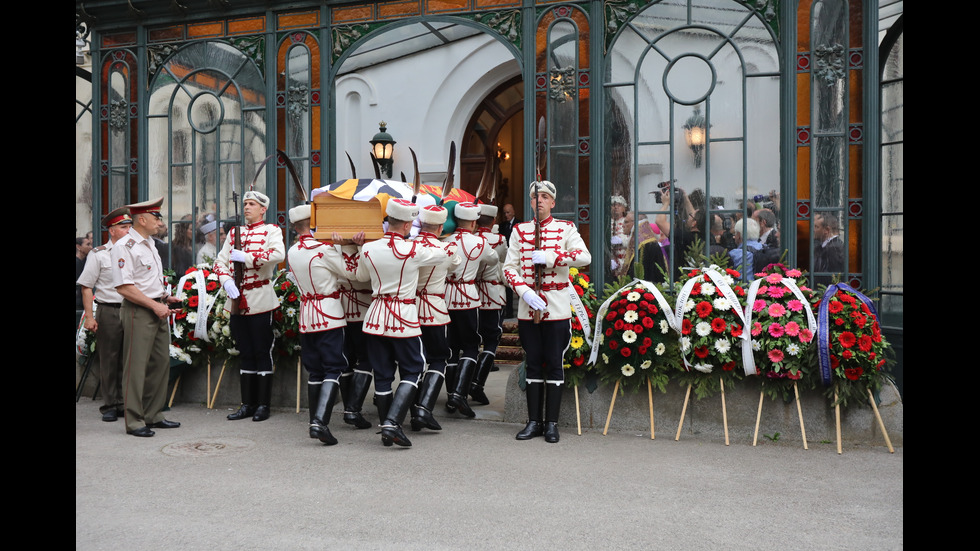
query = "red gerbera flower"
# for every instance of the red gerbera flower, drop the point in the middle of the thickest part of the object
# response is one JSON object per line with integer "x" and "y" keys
{"x": 718, "y": 325}
{"x": 192, "y": 301}
{"x": 846, "y": 339}
{"x": 835, "y": 307}
{"x": 626, "y": 351}
{"x": 701, "y": 351}
{"x": 703, "y": 309}
{"x": 864, "y": 343}
{"x": 685, "y": 327}
{"x": 853, "y": 373}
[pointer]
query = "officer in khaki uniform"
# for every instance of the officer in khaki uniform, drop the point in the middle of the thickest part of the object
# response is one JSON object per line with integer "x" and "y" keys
{"x": 561, "y": 247}
{"x": 97, "y": 289}
{"x": 262, "y": 249}
{"x": 137, "y": 273}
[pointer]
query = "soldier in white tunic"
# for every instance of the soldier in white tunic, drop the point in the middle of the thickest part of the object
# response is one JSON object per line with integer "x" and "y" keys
{"x": 262, "y": 249}
{"x": 391, "y": 325}
{"x": 463, "y": 300}
{"x": 493, "y": 297}
{"x": 317, "y": 268}
{"x": 433, "y": 316}
{"x": 559, "y": 247}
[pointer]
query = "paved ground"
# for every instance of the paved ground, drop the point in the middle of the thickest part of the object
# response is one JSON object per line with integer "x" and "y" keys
{"x": 214, "y": 484}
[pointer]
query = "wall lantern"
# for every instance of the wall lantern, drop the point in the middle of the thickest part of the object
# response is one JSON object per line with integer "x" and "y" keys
{"x": 502, "y": 154}
{"x": 382, "y": 145}
{"x": 696, "y": 133}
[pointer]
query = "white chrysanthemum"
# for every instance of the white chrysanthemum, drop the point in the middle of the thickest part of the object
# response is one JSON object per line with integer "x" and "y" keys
{"x": 756, "y": 346}
{"x": 605, "y": 359}
{"x": 233, "y": 351}
{"x": 728, "y": 279}
{"x": 707, "y": 289}
{"x": 703, "y": 368}
{"x": 793, "y": 349}
{"x": 633, "y": 296}
{"x": 628, "y": 370}
{"x": 631, "y": 316}
{"x": 685, "y": 344}
{"x": 703, "y": 328}
{"x": 660, "y": 349}
{"x": 291, "y": 312}
{"x": 689, "y": 305}
{"x": 721, "y": 303}
{"x": 178, "y": 331}
{"x": 213, "y": 276}
{"x": 664, "y": 326}
{"x": 646, "y": 364}
{"x": 192, "y": 318}
{"x": 629, "y": 336}
{"x": 722, "y": 345}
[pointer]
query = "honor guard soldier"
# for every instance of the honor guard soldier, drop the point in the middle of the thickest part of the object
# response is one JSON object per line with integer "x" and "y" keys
{"x": 317, "y": 267}
{"x": 355, "y": 382}
{"x": 137, "y": 274}
{"x": 559, "y": 247}
{"x": 261, "y": 250}
{"x": 463, "y": 300}
{"x": 433, "y": 315}
{"x": 97, "y": 288}
{"x": 391, "y": 325}
{"x": 493, "y": 297}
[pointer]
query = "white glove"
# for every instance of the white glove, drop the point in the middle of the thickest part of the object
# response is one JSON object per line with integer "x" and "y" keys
{"x": 231, "y": 289}
{"x": 534, "y": 301}
{"x": 613, "y": 264}
{"x": 538, "y": 257}
{"x": 616, "y": 240}
{"x": 238, "y": 256}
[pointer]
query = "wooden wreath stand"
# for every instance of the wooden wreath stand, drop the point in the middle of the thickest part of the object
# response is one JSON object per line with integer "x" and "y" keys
{"x": 799, "y": 411}
{"x": 874, "y": 407}
{"x": 724, "y": 411}
{"x": 612, "y": 404}
{"x": 578, "y": 412}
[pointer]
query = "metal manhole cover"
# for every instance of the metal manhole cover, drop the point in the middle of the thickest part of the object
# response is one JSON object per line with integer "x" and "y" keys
{"x": 208, "y": 447}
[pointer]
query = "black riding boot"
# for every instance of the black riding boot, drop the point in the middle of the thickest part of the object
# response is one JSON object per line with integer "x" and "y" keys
{"x": 264, "y": 393}
{"x": 313, "y": 395}
{"x": 391, "y": 427}
{"x": 457, "y": 397}
{"x": 483, "y": 366}
{"x": 321, "y": 417}
{"x": 383, "y": 402}
{"x": 452, "y": 375}
{"x": 422, "y": 410}
{"x": 535, "y": 399}
{"x": 353, "y": 400}
{"x": 247, "y": 408}
{"x": 552, "y": 408}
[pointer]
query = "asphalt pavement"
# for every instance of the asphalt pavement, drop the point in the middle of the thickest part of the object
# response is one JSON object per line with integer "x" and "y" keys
{"x": 216, "y": 484}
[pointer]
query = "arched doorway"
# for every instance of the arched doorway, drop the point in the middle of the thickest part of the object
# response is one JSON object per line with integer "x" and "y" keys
{"x": 496, "y": 132}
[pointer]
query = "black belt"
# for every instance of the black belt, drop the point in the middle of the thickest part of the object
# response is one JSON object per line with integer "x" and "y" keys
{"x": 108, "y": 304}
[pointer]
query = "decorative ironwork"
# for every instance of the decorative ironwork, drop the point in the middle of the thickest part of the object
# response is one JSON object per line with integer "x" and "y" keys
{"x": 175, "y": 6}
{"x": 157, "y": 54}
{"x": 118, "y": 115}
{"x": 562, "y": 80}
{"x": 299, "y": 104}
{"x": 254, "y": 48}
{"x": 344, "y": 36}
{"x": 829, "y": 63}
{"x": 616, "y": 13}
{"x": 506, "y": 24}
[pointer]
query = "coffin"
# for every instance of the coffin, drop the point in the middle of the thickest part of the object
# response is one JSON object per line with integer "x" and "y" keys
{"x": 347, "y": 217}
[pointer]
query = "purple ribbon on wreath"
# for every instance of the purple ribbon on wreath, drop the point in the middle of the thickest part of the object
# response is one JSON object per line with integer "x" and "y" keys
{"x": 823, "y": 326}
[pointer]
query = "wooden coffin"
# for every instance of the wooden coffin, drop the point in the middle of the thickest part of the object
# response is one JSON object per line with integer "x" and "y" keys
{"x": 347, "y": 217}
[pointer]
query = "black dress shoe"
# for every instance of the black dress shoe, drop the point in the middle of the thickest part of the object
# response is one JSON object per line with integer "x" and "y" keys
{"x": 110, "y": 416}
{"x": 533, "y": 429}
{"x": 393, "y": 434}
{"x": 261, "y": 413}
{"x": 164, "y": 425}
{"x": 142, "y": 431}
{"x": 551, "y": 432}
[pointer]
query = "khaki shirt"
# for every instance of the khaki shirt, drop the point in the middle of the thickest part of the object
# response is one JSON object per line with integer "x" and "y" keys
{"x": 97, "y": 275}
{"x": 135, "y": 261}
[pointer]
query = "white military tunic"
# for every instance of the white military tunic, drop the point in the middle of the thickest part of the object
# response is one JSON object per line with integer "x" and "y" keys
{"x": 490, "y": 281}
{"x": 262, "y": 243}
{"x": 318, "y": 268}
{"x": 475, "y": 253}
{"x": 563, "y": 247}
{"x": 432, "y": 282}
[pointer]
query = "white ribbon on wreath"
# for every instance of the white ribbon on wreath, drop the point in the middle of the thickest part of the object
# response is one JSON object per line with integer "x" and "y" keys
{"x": 720, "y": 285}
{"x": 662, "y": 303}
{"x": 204, "y": 303}
{"x": 748, "y": 358}
{"x": 580, "y": 313}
